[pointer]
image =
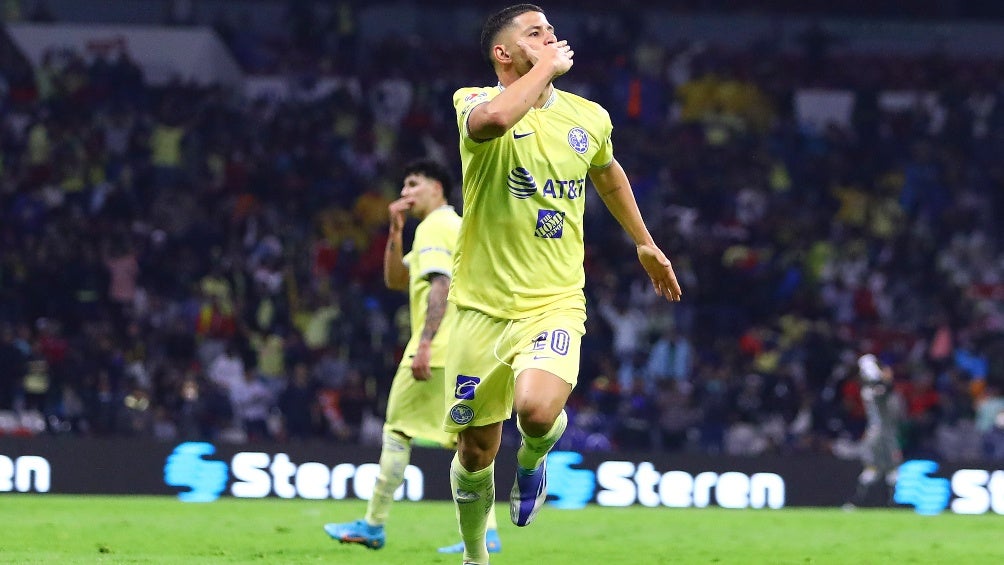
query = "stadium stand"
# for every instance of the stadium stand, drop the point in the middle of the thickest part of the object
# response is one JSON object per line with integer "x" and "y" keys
{"x": 185, "y": 261}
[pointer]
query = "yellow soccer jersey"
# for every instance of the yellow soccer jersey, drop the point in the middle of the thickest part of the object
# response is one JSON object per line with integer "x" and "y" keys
{"x": 431, "y": 252}
{"x": 521, "y": 248}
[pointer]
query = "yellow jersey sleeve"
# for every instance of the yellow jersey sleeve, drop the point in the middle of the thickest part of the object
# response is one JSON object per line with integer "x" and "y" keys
{"x": 432, "y": 250}
{"x": 464, "y": 101}
{"x": 605, "y": 155}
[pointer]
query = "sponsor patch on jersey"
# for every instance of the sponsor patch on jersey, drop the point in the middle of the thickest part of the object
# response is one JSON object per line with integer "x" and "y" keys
{"x": 578, "y": 140}
{"x": 462, "y": 414}
{"x": 474, "y": 96}
{"x": 466, "y": 385}
{"x": 550, "y": 223}
{"x": 521, "y": 183}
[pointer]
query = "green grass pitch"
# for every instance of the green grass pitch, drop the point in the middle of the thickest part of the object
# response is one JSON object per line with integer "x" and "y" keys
{"x": 103, "y": 529}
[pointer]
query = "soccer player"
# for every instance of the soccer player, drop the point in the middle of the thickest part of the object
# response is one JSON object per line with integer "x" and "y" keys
{"x": 416, "y": 406}
{"x": 880, "y": 451}
{"x": 526, "y": 150}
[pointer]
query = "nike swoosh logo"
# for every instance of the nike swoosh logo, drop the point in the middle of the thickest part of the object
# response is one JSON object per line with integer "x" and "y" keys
{"x": 521, "y": 135}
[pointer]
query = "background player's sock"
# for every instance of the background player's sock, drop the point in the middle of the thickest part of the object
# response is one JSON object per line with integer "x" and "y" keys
{"x": 474, "y": 497}
{"x": 394, "y": 458}
{"x": 534, "y": 449}
{"x": 491, "y": 524}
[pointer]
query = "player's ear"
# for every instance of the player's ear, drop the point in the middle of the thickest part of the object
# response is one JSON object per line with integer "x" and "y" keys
{"x": 501, "y": 54}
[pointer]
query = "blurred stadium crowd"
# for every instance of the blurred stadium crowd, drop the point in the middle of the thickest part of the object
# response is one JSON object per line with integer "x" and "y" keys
{"x": 182, "y": 262}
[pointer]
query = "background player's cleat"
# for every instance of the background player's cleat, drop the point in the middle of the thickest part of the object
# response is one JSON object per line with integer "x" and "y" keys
{"x": 357, "y": 532}
{"x": 492, "y": 540}
{"x": 529, "y": 491}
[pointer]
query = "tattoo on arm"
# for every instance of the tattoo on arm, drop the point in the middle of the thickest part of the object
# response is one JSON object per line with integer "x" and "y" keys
{"x": 439, "y": 287}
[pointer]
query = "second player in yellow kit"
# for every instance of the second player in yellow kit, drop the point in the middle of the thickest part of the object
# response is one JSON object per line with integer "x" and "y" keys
{"x": 416, "y": 403}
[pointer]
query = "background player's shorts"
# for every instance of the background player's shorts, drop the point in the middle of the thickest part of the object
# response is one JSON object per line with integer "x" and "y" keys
{"x": 416, "y": 408}
{"x": 880, "y": 450}
{"x": 486, "y": 355}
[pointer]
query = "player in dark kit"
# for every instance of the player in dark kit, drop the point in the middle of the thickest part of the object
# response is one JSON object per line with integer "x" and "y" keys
{"x": 880, "y": 452}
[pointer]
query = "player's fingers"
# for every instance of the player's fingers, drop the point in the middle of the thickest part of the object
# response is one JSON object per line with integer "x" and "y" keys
{"x": 677, "y": 294}
{"x": 671, "y": 290}
{"x": 657, "y": 287}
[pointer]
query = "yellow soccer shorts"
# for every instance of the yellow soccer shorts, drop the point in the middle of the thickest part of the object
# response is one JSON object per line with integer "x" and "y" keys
{"x": 486, "y": 354}
{"x": 416, "y": 408}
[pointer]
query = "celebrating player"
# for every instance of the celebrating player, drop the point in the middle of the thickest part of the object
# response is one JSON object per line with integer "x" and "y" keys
{"x": 526, "y": 150}
{"x": 416, "y": 405}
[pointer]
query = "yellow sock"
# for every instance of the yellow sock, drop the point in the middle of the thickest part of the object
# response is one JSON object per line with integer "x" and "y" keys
{"x": 394, "y": 457}
{"x": 534, "y": 449}
{"x": 491, "y": 524}
{"x": 474, "y": 497}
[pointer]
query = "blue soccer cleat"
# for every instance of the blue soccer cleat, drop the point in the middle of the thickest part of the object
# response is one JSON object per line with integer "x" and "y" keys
{"x": 492, "y": 540}
{"x": 529, "y": 492}
{"x": 357, "y": 532}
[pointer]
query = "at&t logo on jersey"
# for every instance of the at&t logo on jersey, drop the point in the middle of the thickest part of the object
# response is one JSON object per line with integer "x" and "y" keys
{"x": 521, "y": 183}
{"x": 550, "y": 223}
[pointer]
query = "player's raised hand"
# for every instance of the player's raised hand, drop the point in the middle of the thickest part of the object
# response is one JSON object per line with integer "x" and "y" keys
{"x": 397, "y": 210}
{"x": 558, "y": 55}
{"x": 660, "y": 270}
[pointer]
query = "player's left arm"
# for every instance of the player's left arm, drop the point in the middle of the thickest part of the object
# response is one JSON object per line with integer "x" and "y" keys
{"x": 439, "y": 287}
{"x": 614, "y": 188}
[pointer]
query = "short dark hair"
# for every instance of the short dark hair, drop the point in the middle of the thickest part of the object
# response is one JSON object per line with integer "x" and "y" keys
{"x": 497, "y": 21}
{"x": 432, "y": 169}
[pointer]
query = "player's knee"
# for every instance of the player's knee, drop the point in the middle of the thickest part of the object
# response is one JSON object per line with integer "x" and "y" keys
{"x": 474, "y": 454}
{"x": 473, "y": 458}
{"x": 536, "y": 421}
{"x": 396, "y": 439}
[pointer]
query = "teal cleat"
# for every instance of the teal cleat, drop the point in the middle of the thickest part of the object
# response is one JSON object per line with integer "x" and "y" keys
{"x": 357, "y": 532}
{"x": 491, "y": 538}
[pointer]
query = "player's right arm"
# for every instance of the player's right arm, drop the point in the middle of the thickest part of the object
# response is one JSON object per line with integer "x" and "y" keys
{"x": 497, "y": 116}
{"x": 439, "y": 288}
{"x": 395, "y": 271}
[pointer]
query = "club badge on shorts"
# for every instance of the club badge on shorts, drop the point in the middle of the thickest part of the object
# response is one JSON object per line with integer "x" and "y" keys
{"x": 462, "y": 414}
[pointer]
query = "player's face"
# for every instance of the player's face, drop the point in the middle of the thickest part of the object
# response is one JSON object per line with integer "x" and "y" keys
{"x": 535, "y": 30}
{"x": 424, "y": 193}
